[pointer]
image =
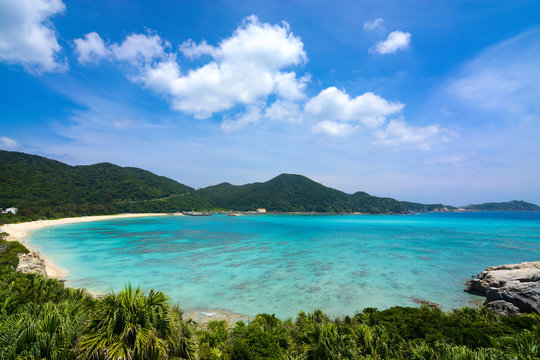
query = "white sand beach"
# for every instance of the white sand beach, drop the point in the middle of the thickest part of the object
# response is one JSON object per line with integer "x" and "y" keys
{"x": 18, "y": 232}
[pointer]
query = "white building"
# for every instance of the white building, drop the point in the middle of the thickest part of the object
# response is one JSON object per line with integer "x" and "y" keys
{"x": 11, "y": 210}
{"x": 261, "y": 210}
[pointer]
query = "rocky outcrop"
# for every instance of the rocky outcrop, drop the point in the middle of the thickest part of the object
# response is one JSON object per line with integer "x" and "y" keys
{"x": 503, "y": 307}
{"x": 31, "y": 263}
{"x": 427, "y": 303}
{"x": 509, "y": 289}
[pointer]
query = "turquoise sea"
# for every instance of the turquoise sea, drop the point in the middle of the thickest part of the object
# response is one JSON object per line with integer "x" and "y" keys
{"x": 286, "y": 263}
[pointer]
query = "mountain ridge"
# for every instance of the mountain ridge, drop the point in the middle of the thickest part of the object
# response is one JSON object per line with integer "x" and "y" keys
{"x": 46, "y": 188}
{"x": 294, "y": 193}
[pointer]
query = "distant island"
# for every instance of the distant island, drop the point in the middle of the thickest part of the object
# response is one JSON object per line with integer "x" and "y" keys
{"x": 34, "y": 187}
{"x": 513, "y": 205}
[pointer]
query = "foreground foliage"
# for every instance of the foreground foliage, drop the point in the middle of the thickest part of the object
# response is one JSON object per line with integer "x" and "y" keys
{"x": 9, "y": 251}
{"x": 131, "y": 325}
{"x": 42, "y": 319}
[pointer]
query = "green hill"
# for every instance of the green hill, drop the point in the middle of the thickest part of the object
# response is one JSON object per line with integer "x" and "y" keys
{"x": 513, "y": 205}
{"x": 295, "y": 193}
{"x": 43, "y": 187}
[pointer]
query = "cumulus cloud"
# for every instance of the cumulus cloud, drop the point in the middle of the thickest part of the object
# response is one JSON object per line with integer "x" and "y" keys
{"x": 140, "y": 48}
{"x": 335, "y": 105}
{"x": 193, "y": 50}
{"x": 396, "y": 40}
{"x": 282, "y": 110}
{"x": 397, "y": 132}
{"x": 7, "y": 143}
{"x": 137, "y": 49}
{"x": 246, "y": 68}
{"x": 248, "y": 78}
{"x": 91, "y": 48}
{"x": 27, "y": 35}
{"x": 337, "y": 114}
{"x": 374, "y": 25}
{"x": 243, "y": 71}
{"x": 333, "y": 128}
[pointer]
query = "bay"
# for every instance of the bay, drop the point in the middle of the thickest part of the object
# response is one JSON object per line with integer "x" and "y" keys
{"x": 283, "y": 264}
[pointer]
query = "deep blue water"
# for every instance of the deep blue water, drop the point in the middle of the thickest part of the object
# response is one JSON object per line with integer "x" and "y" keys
{"x": 286, "y": 263}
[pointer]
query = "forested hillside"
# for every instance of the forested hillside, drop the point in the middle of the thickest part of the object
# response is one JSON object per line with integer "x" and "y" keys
{"x": 513, "y": 205}
{"x": 47, "y": 188}
{"x": 44, "y": 188}
{"x": 295, "y": 193}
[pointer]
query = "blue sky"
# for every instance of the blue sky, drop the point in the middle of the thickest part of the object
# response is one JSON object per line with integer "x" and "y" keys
{"x": 427, "y": 101}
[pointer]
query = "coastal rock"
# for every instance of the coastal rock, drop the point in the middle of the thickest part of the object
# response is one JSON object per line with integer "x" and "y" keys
{"x": 503, "y": 307}
{"x": 31, "y": 263}
{"x": 526, "y": 296}
{"x": 427, "y": 303}
{"x": 515, "y": 284}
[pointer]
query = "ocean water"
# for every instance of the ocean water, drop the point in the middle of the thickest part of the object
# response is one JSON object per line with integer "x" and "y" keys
{"x": 282, "y": 264}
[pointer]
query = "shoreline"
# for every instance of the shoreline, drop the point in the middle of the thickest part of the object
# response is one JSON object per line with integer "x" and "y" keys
{"x": 22, "y": 232}
{"x": 19, "y": 232}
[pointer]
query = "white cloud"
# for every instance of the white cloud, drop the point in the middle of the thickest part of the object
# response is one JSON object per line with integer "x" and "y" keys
{"x": 193, "y": 50}
{"x": 288, "y": 86}
{"x": 374, "y": 25}
{"x": 251, "y": 116}
{"x": 27, "y": 36}
{"x": 7, "y": 143}
{"x": 336, "y": 114}
{"x": 279, "y": 111}
{"x": 140, "y": 48}
{"x": 396, "y": 40}
{"x": 246, "y": 68}
{"x": 335, "y": 105}
{"x": 286, "y": 111}
{"x": 333, "y": 128}
{"x": 159, "y": 77}
{"x": 136, "y": 49}
{"x": 91, "y": 48}
{"x": 504, "y": 79}
{"x": 245, "y": 72}
{"x": 397, "y": 133}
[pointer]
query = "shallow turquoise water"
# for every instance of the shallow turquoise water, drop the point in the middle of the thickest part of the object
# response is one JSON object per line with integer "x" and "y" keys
{"x": 286, "y": 263}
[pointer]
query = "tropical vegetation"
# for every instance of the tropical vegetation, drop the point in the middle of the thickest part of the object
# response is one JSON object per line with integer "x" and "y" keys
{"x": 41, "y": 318}
{"x": 295, "y": 193}
{"x": 42, "y": 188}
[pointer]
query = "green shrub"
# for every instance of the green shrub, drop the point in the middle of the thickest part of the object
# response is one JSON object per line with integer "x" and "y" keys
{"x": 9, "y": 251}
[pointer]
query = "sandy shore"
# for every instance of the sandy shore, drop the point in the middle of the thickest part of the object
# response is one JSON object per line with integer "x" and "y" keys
{"x": 203, "y": 317}
{"x": 18, "y": 232}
